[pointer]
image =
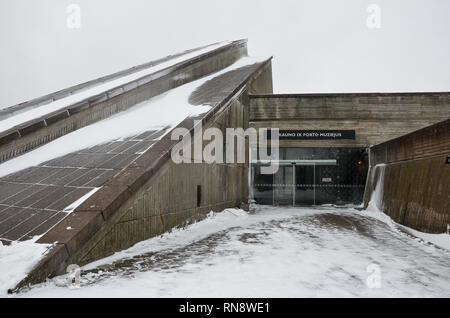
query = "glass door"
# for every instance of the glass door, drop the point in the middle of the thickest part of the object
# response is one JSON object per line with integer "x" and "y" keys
{"x": 312, "y": 176}
{"x": 304, "y": 185}
{"x": 283, "y": 186}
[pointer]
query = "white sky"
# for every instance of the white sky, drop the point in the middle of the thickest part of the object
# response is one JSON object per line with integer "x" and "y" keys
{"x": 318, "y": 45}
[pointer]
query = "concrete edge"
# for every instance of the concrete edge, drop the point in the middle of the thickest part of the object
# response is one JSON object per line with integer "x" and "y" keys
{"x": 440, "y": 125}
{"x": 42, "y": 100}
{"x": 365, "y": 94}
{"x": 34, "y": 125}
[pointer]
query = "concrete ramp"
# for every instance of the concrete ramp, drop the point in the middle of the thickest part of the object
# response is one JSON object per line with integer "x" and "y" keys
{"x": 122, "y": 187}
{"x": 29, "y": 125}
{"x": 410, "y": 178}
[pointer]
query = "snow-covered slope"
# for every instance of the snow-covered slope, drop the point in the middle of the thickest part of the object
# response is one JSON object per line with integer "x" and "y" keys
{"x": 37, "y": 112}
{"x": 166, "y": 110}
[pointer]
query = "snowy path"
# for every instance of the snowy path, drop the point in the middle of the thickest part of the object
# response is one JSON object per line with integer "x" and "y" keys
{"x": 276, "y": 252}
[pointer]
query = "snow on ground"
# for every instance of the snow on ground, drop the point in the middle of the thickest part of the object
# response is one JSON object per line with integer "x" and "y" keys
{"x": 275, "y": 252}
{"x": 37, "y": 112}
{"x": 166, "y": 110}
{"x": 16, "y": 260}
{"x": 441, "y": 240}
{"x": 375, "y": 206}
{"x": 19, "y": 258}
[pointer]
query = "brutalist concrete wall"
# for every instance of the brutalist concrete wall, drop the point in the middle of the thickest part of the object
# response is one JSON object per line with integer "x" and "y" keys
{"x": 414, "y": 178}
{"x": 154, "y": 194}
{"x": 375, "y": 117}
{"x": 31, "y": 135}
{"x": 170, "y": 198}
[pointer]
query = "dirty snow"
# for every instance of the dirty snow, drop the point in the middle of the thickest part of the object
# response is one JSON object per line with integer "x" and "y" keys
{"x": 166, "y": 110}
{"x": 442, "y": 240}
{"x": 28, "y": 115}
{"x": 275, "y": 252}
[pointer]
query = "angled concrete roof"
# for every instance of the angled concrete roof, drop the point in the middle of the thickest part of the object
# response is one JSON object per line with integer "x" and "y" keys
{"x": 28, "y": 125}
{"x": 10, "y": 111}
{"x": 44, "y": 197}
{"x": 34, "y": 199}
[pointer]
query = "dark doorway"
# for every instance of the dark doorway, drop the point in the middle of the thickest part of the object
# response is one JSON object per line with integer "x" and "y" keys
{"x": 304, "y": 185}
{"x": 313, "y": 176}
{"x": 283, "y": 186}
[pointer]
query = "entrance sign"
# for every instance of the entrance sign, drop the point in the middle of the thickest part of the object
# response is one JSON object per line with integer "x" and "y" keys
{"x": 314, "y": 134}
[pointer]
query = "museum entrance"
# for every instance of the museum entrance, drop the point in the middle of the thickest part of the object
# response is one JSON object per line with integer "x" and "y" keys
{"x": 312, "y": 176}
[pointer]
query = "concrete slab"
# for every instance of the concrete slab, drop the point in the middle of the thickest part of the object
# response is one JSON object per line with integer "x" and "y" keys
{"x": 33, "y": 200}
{"x": 81, "y": 170}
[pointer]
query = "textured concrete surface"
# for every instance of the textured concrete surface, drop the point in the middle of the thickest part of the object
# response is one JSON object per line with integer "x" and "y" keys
{"x": 39, "y": 131}
{"x": 375, "y": 117}
{"x": 33, "y": 200}
{"x": 427, "y": 142}
{"x": 415, "y": 181}
{"x": 152, "y": 195}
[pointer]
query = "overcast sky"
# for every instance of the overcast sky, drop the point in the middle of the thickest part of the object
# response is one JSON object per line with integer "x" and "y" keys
{"x": 318, "y": 45}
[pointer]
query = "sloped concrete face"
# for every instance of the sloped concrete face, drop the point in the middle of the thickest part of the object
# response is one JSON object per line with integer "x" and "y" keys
{"x": 170, "y": 196}
{"x": 414, "y": 178}
{"x": 153, "y": 194}
{"x": 39, "y": 131}
{"x": 33, "y": 200}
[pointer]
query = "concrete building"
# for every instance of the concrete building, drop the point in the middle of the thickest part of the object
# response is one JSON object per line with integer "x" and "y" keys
{"x": 94, "y": 201}
{"x": 327, "y": 141}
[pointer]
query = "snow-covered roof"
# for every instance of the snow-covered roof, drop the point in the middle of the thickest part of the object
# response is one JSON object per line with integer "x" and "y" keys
{"x": 40, "y": 188}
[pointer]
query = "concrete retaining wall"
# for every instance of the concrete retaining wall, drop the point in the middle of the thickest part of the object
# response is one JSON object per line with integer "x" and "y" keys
{"x": 415, "y": 180}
